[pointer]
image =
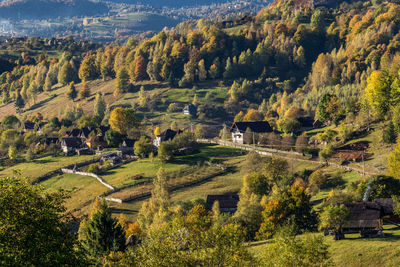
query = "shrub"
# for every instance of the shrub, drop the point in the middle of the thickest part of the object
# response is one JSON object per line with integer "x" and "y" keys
{"x": 93, "y": 168}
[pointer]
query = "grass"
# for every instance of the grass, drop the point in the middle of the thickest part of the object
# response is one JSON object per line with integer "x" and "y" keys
{"x": 43, "y": 165}
{"x": 82, "y": 189}
{"x": 357, "y": 252}
{"x": 146, "y": 168}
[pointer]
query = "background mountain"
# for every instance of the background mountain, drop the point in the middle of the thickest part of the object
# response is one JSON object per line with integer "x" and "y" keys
{"x": 43, "y": 9}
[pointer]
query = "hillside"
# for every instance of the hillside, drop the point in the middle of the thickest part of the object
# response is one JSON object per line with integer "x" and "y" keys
{"x": 45, "y": 9}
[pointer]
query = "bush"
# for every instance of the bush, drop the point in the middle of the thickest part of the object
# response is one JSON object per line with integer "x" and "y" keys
{"x": 93, "y": 168}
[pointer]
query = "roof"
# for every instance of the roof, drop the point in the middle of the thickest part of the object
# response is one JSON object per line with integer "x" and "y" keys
{"x": 306, "y": 122}
{"x": 86, "y": 131}
{"x": 104, "y": 128}
{"x": 254, "y": 126}
{"x": 168, "y": 134}
{"x": 74, "y": 133}
{"x": 225, "y": 201}
{"x": 364, "y": 215}
{"x": 29, "y": 125}
{"x": 50, "y": 140}
{"x": 72, "y": 142}
{"x": 128, "y": 143}
{"x": 387, "y": 204}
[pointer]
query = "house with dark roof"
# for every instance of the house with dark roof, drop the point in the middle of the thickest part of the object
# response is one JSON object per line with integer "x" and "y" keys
{"x": 364, "y": 217}
{"x": 388, "y": 206}
{"x": 165, "y": 136}
{"x": 127, "y": 147}
{"x": 71, "y": 144}
{"x": 238, "y": 129}
{"x": 308, "y": 123}
{"x": 29, "y": 126}
{"x": 73, "y": 133}
{"x": 227, "y": 203}
{"x": 190, "y": 109}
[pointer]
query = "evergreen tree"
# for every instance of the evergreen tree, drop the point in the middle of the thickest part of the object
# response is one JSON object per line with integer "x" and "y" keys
{"x": 71, "y": 93}
{"x": 229, "y": 69}
{"x": 99, "y": 105}
{"x": 102, "y": 234}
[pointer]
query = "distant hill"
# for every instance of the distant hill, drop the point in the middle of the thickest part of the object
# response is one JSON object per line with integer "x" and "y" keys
{"x": 170, "y": 3}
{"x": 44, "y": 9}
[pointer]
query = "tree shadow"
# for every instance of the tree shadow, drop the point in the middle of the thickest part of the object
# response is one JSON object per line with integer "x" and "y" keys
{"x": 41, "y": 103}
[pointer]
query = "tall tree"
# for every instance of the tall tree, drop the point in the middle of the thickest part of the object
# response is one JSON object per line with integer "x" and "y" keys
{"x": 122, "y": 85}
{"x": 88, "y": 70}
{"x": 85, "y": 91}
{"x": 99, "y": 105}
{"x": 140, "y": 69}
{"x": 102, "y": 233}
{"x": 66, "y": 74}
{"x": 72, "y": 93}
{"x": 122, "y": 120}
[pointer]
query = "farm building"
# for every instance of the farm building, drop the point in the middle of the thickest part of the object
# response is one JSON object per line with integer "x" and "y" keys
{"x": 365, "y": 218}
{"x": 190, "y": 109}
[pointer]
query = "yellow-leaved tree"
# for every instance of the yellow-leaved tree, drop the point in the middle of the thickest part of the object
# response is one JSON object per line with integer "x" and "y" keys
{"x": 378, "y": 92}
{"x": 122, "y": 120}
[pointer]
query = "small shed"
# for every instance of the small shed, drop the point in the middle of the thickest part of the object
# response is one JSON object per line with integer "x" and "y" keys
{"x": 227, "y": 203}
{"x": 165, "y": 136}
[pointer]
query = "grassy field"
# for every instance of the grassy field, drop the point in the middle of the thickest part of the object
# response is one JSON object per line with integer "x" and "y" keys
{"x": 55, "y": 102}
{"x": 82, "y": 189}
{"x": 358, "y": 252}
{"x": 44, "y": 165}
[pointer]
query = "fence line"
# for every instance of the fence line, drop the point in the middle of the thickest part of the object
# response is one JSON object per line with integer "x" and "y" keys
{"x": 274, "y": 152}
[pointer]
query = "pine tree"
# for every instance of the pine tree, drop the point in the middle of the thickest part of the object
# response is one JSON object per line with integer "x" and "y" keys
{"x": 102, "y": 233}
{"x": 71, "y": 93}
{"x": 85, "y": 91}
{"x": 229, "y": 69}
{"x": 99, "y": 106}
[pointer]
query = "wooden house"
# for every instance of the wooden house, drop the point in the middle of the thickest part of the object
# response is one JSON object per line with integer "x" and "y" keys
{"x": 238, "y": 129}
{"x": 365, "y": 218}
{"x": 227, "y": 203}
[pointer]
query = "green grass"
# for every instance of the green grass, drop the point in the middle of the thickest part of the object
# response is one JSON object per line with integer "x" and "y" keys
{"x": 82, "y": 189}
{"x": 43, "y": 165}
{"x": 357, "y": 252}
{"x": 146, "y": 168}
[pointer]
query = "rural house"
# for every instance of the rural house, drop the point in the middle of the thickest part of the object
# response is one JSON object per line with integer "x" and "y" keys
{"x": 70, "y": 144}
{"x": 239, "y": 129}
{"x": 165, "y": 136}
{"x": 227, "y": 203}
{"x": 365, "y": 218}
{"x": 127, "y": 147}
{"x": 388, "y": 206}
{"x": 190, "y": 109}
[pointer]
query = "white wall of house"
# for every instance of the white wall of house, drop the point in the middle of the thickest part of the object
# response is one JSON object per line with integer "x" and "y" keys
{"x": 237, "y": 137}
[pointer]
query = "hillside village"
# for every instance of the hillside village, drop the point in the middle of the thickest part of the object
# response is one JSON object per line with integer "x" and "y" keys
{"x": 266, "y": 141}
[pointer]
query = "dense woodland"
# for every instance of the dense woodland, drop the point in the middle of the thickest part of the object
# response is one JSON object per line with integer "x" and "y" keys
{"x": 337, "y": 63}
